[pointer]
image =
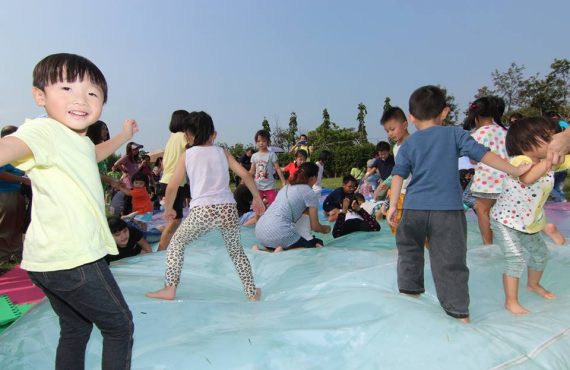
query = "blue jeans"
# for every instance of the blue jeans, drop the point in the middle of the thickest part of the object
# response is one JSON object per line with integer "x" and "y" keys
{"x": 81, "y": 297}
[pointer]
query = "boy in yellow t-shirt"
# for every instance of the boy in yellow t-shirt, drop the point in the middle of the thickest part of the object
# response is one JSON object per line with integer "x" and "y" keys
{"x": 396, "y": 126}
{"x": 69, "y": 237}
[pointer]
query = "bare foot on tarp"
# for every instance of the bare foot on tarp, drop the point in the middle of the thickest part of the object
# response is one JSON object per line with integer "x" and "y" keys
{"x": 167, "y": 293}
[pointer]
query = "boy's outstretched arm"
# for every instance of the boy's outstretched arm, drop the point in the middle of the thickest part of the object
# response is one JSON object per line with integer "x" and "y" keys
{"x": 391, "y": 217}
{"x": 109, "y": 147}
{"x": 12, "y": 149}
{"x": 493, "y": 160}
{"x": 239, "y": 170}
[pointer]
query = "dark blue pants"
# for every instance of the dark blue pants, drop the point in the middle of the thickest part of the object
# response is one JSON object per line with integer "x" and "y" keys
{"x": 446, "y": 232}
{"x": 81, "y": 297}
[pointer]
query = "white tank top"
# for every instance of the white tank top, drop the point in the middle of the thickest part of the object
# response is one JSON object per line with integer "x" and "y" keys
{"x": 207, "y": 169}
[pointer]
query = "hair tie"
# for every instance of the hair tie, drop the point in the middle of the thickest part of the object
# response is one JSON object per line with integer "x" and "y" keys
{"x": 472, "y": 107}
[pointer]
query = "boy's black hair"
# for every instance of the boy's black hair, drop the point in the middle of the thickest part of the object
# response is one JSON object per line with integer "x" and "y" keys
{"x": 201, "y": 126}
{"x": 116, "y": 224}
{"x": 325, "y": 156}
{"x": 383, "y": 146}
{"x": 486, "y": 106}
{"x": 264, "y": 134}
{"x": 304, "y": 136}
{"x": 553, "y": 115}
{"x": 393, "y": 113}
{"x": 427, "y": 102}
{"x": 349, "y": 178}
{"x": 528, "y": 133}
{"x": 8, "y": 130}
{"x": 301, "y": 152}
{"x": 177, "y": 121}
{"x": 139, "y": 176}
{"x": 51, "y": 70}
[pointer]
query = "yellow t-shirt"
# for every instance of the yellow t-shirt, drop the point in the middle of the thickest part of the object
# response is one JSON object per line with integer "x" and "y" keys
{"x": 175, "y": 147}
{"x": 68, "y": 227}
{"x": 521, "y": 206}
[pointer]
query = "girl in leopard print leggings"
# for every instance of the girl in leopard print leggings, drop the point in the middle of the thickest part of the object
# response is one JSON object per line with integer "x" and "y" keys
{"x": 212, "y": 206}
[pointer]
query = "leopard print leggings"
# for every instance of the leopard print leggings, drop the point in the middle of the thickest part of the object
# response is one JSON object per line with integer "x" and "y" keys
{"x": 201, "y": 220}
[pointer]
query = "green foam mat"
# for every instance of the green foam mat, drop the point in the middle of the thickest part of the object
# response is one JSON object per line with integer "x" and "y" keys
{"x": 8, "y": 311}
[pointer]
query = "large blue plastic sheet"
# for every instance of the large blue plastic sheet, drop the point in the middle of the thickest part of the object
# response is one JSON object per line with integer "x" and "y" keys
{"x": 331, "y": 308}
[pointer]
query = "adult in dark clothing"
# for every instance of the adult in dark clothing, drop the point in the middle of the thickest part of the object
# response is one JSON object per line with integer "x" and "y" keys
{"x": 352, "y": 218}
{"x": 245, "y": 161}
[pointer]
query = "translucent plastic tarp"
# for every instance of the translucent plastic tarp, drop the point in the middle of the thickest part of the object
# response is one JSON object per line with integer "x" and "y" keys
{"x": 331, "y": 308}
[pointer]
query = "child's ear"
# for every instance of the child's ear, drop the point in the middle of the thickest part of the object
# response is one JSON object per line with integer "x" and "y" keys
{"x": 411, "y": 118}
{"x": 39, "y": 96}
{"x": 214, "y": 135}
{"x": 444, "y": 113}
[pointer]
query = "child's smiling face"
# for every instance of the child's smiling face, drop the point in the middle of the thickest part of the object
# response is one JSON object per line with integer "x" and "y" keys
{"x": 75, "y": 104}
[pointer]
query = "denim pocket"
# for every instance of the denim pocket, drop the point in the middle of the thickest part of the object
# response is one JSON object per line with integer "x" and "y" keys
{"x": 65, "y": 280}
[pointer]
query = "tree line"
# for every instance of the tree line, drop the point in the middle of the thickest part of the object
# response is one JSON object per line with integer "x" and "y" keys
{"x": 530, "y": 96}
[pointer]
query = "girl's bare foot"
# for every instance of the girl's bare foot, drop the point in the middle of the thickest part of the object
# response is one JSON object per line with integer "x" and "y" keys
{"x": 516, "y": 308}
{"x": 539, "y": 289}
{"x": 257, "y": 295}
{"x": 278, "y": 250}
{"x": 167, "y": 293}
{"x": 552, "y": 232}
{"x": 255, "y": 248}
{"x": 464, "y": 320}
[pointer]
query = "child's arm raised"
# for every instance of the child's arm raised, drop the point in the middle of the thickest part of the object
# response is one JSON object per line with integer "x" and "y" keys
{"x": 109, "y": 147}
{"x": 12, "y": 149}
{"x": 391, "y": 217}
{"x": 257, "y": 203}
{"x": 493, "y": 160}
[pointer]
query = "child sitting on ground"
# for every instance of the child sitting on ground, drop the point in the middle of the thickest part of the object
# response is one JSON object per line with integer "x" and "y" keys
{"x": 352, "y": 217}
{"x": 291, "y": 168}
{"x": 518, "y": 215}
{"x": 130, "y": 240}
{"x": 333, "y": 202}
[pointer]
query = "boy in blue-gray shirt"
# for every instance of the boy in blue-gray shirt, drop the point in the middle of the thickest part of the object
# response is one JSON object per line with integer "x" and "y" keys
{"x": 433, "y": 207}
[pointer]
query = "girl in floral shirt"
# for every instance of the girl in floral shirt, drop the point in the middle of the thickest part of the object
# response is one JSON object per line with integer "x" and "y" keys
{"x": 484, "y": 119}
{"x": 518, "y": 215}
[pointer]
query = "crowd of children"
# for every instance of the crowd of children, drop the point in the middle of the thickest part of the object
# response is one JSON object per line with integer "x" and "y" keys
{"x": 415, "y": 181}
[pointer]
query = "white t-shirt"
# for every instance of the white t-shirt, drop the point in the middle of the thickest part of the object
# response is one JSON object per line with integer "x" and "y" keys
{"x": 208, "y": 176}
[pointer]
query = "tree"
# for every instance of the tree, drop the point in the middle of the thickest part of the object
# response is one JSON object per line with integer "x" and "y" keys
{"x": 362, "y": 112}
{"x": 279, "y": 137}
{"x": 509, "y": 85}
{"x": 560, "y": 77}
{"x": 292, "y": 129}
{"x": 326, "y": 119}
{"x": 387, "y": 104}
{"x": 452, "y": 117}
{"x": 544, "y": 95}
{"x": 483, "y": 91}
{"x": 265, "y": 125}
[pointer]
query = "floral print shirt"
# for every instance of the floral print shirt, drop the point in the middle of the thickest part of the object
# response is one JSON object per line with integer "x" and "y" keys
{"x": 487, "y": 179}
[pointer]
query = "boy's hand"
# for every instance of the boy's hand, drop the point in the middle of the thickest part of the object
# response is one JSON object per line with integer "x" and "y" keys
{"x": 130, "y": 127}
{"x": 258, "y": 206}
{"x": 391, "y": 217}
{"x": 169, "y": 215}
